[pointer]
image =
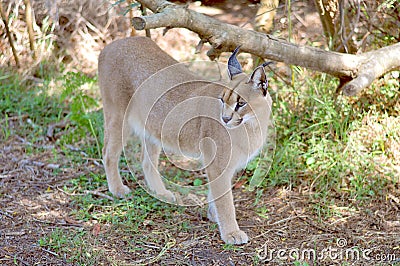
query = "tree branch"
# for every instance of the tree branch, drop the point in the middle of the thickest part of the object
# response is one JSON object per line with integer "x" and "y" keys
{"x": 29, "y": 24}
{"x": 361, "y": 70}
{"x": 374, "y": 64}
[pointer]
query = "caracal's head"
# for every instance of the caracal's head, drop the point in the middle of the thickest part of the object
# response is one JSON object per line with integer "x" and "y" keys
{"x": 246, "y": 99}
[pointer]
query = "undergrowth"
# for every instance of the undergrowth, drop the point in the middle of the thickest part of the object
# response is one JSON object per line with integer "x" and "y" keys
{"x": 321, "y": 149}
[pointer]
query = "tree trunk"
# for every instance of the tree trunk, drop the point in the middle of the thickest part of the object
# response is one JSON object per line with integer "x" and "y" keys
{"x": 336, "y": 25}
{"x": 358, "y": 71}
{"x": 29, "y": 25}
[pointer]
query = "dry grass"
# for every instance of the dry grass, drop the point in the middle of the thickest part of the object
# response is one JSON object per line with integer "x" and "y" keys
{"x": 71, "y": 34}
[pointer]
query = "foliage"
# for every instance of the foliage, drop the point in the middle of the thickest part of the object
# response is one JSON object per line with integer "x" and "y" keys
{"x": 319, "y": 145}
{"x": 83, "y": 113}
{"x": 27, "y": 103}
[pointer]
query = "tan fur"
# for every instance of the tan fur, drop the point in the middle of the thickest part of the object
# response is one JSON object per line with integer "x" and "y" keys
{"x": 169, "y": 117}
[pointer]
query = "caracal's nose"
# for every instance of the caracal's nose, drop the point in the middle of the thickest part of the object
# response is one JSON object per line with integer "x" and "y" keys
{"x": 226, "y": 119}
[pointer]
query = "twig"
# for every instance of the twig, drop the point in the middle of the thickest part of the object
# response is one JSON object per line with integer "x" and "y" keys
{"x": 169, "y": 243}
{"x": 13, "y": 118}
{"x": 287, "y": 219}
{"x": 50, "y": 252}
{"x": 97, "y": 193}
{"x": 24, "y": 141}
{"x": 20, "y": 233}
{"x": 343, "y": 36}
{"x": 307, "y": 220}
{"x": 50, "y": 129}
{"x": 97, "y": 162}
{"x": 268, "y": 231}
{"x": 6, "y": 214}
{"x": 40, "y": 164}
{"x": 15, "y": 256}
{"x": 10, "y": 40}
{"x": 72, "y": 148}
{"x": 275, "y": 223}
{"x": 58, "y": 224}
{"x": 69, "y": 194}
{"x": 262, "y": 14}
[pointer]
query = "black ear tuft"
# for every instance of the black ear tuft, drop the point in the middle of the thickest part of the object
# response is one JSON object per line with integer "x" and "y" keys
{"x": 266, "y": 63}
{"x": 234, "y": 66}
{"x": 259, "y": 79}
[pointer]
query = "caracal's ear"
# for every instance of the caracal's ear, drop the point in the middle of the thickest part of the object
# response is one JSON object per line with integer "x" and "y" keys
{"x": 258, "y": 78}
{"x": 234, "y": 67}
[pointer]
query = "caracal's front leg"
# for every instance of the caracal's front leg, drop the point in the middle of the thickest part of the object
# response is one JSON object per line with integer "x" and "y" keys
{"x": 151, "y": 153}
{"x": 220, "y": 172}
{"x": 222, "y": 210}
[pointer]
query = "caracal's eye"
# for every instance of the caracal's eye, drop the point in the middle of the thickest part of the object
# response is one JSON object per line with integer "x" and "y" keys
{"x": 222, "y": 100}
{"x": 240, "y": 104}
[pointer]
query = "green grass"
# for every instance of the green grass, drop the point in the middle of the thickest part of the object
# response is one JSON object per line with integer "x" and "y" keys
{"x": 71, "y": 242}
{"x": 316, "y": 145}
{"x": 31, "y": 108}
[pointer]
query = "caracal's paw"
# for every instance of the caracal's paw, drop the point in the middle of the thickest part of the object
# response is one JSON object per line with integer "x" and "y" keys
{"x": 120, "y": 191}
{"x": 167, "y": 196}
{"x": 236, "y": 237}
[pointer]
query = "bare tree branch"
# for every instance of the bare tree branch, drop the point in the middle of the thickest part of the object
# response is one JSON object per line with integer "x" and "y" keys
{"x": 374, "y": 64}
{"x": 360, "y": 69}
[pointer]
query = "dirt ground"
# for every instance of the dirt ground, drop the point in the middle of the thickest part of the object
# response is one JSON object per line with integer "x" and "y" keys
{"x": 33, "y": 203}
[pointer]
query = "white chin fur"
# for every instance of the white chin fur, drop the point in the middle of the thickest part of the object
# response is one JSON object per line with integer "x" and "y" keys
{"x": 247, "y": 118}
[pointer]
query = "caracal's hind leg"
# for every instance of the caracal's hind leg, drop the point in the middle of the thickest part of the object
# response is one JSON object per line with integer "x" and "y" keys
{"x": 150, "y": 154}
{"x": 111, "y": 153}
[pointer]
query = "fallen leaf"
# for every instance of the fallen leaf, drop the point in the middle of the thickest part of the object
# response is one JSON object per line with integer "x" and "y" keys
{"x": 96, "y": 229}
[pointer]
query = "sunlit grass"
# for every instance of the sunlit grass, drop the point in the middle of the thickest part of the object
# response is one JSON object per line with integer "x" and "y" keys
{"x": 323, "y": 145}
